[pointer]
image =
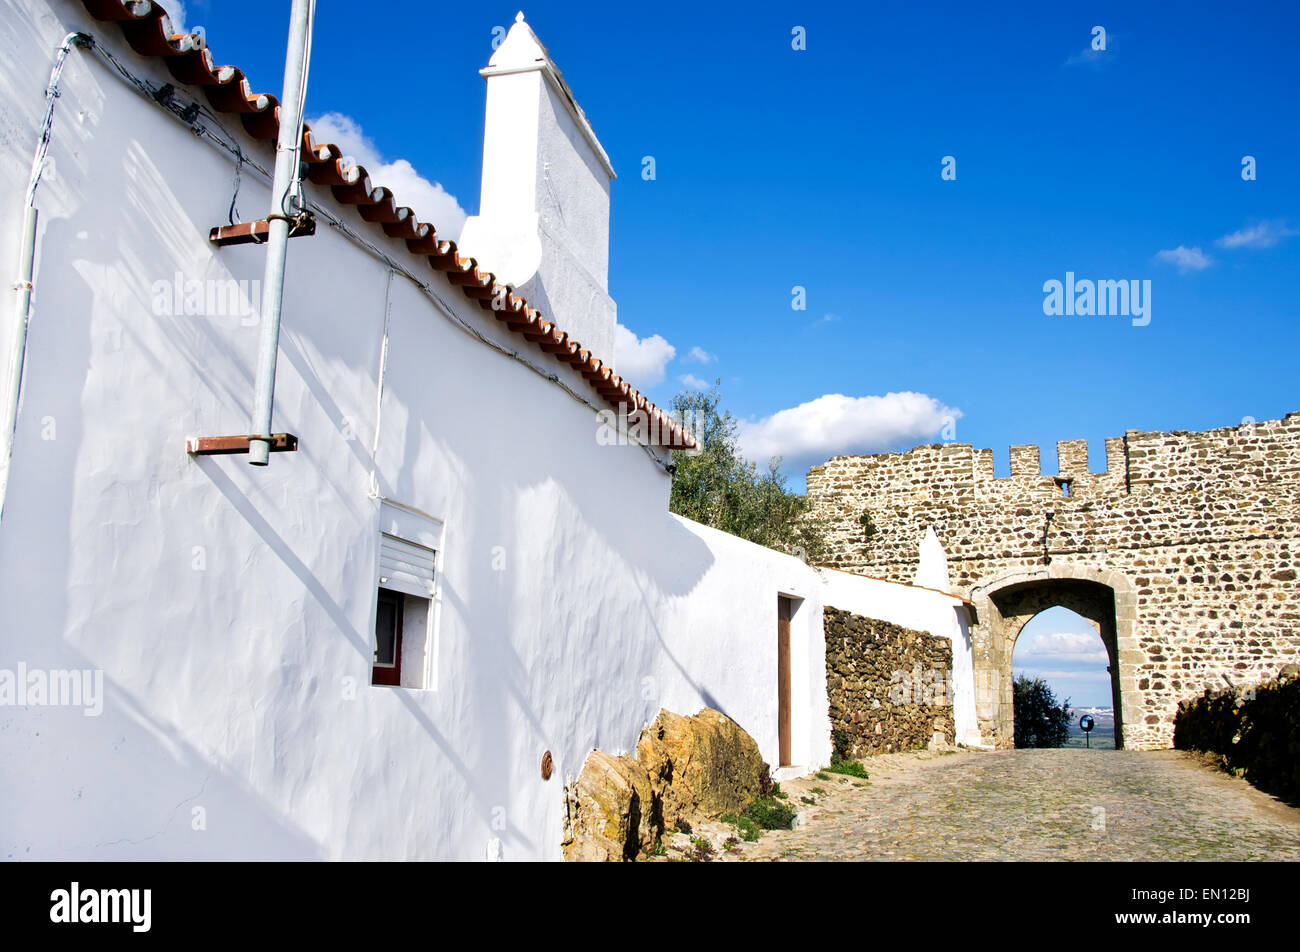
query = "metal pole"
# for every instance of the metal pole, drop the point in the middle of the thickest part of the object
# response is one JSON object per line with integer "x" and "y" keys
{"x": 287, "y": 149}
{"x": 22, "y": 313}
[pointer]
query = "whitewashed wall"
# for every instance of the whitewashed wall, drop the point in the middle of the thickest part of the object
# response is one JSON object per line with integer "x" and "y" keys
{"x": 231, "y": 608}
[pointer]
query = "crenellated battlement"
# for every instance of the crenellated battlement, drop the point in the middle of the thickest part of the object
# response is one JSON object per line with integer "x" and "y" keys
{"x": 1253, "y": 453}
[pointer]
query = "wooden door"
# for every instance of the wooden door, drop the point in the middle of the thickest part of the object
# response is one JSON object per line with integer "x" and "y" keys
{"x": 388, "y": 639}
{"x": 783, "y": 611}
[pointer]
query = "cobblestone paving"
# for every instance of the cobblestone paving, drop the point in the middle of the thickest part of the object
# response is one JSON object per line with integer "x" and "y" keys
{"x": 1032, "y": 805}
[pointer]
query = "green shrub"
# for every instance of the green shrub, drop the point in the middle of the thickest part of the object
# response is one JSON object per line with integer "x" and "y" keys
{"x": 841, "y": 744}
{"x": 1211, "y": 722}
{"x": 720, "y": 488}
{"x": 1039, "y": 720}
{"x": 1255, "y": 731}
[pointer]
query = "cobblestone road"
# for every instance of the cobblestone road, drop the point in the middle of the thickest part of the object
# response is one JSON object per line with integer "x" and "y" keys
{"x": 1032, "y": 805}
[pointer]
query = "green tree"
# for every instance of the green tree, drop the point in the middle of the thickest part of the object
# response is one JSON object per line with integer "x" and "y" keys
{"x": 1040, "y": 720}
{"x": 720, "y": 488}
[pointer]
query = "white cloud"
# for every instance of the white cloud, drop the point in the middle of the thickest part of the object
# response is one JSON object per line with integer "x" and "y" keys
{"x": 176, "y": 13}
{"x": 700, "y": 356}
{"x": 1097, "y": 59}
{"x": 1064, "y": 646}
{"x": 834, "y": 424}
{"x": 429, "y": 200}
{"x": 694, "y": 382}
{"x": 1101, "y": 677}
{"x": 641, "y": 361}
{"x": 825, "y": 319}
{"x": 1088, "y": 57}
{"x": 1185, "y": 259}
{"x": 1264, "y": 235}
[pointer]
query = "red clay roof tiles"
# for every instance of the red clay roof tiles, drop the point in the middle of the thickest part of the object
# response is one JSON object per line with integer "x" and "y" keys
{"x": 147, "y": 29}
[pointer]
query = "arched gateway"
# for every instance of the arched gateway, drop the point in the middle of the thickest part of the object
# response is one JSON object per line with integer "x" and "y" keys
{"x": 1182, "y": 552}
{"x": 1003, "y": 607}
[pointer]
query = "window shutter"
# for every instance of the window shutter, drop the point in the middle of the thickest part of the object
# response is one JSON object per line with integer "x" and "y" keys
{"x": 405, "y": 567}
{"x": 408, "y": 545}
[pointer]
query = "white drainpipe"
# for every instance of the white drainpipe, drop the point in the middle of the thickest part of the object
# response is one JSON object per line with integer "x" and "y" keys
{"x": 26, "y": 268}
{"x": 286, "y": 185}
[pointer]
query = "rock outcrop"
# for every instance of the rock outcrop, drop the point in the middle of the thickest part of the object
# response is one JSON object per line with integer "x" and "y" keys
{"x": 703, "y": 766}
{"x": 685, "y": 768}
{"x": 613, "y": 811}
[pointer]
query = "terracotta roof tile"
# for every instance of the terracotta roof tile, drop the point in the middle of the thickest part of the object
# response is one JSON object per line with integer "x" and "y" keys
{"x": 148, "y": 30}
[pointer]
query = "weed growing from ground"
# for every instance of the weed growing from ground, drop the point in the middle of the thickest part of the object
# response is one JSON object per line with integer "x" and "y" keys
{"x": 770, "y": 813}
{"x": 703, "y": 852}
{"x": 850, "y": 768}
{"x": 748, "y": 829}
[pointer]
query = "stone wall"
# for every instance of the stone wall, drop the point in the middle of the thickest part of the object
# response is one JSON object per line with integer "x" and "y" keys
{"x": 1182, "y": 551}
{"x": 890, "y": 687}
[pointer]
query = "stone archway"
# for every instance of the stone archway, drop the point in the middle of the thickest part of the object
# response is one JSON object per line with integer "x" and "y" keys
{"x": 1003, "y": 606}
{"x": 1019, "y": 604}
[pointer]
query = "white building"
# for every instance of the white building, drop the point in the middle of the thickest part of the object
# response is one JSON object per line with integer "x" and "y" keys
{"x": 450, "y": 472}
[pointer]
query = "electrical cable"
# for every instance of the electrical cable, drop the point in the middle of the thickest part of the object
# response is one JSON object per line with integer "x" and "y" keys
{"x": 234, "y": 195}
{"x": 47, "y": 123}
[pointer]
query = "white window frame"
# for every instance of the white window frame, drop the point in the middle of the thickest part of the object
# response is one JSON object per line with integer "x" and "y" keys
{"x": 405, "y": 523}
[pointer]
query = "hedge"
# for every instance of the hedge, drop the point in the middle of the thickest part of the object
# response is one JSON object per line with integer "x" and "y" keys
{"x": 1256, "y": 731}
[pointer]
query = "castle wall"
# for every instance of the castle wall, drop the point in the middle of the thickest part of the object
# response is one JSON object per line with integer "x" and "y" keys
{"x": 1199, "y": 530}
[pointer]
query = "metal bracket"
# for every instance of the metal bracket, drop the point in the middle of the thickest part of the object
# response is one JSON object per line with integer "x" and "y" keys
{"x": 228, "y": 445}
{"x": 255, "y": 232}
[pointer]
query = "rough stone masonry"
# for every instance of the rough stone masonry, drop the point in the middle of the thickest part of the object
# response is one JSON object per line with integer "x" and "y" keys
{"x": 890, "y": 687}
{"x": 1182, "y": 554}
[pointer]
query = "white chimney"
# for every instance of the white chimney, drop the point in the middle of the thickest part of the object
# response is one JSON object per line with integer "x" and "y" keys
{"x": 543, "y": 221}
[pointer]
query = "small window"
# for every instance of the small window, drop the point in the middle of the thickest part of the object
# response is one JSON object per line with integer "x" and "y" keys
{"x": 405, "y": 598}
{"x": 388, "y": 639}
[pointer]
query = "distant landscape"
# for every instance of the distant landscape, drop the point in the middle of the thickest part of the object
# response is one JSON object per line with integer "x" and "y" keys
{"x": 1103, "y": 731}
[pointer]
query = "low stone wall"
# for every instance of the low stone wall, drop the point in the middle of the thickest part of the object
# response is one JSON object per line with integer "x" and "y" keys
{"x": 890, "y": 687}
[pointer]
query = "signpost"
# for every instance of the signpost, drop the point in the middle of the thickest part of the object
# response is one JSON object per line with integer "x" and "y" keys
{"x": 1085, "y": 724}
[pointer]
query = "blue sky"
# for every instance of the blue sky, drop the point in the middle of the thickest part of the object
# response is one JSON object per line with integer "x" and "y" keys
{"x": 1063, "y": 649}
{"x": 821, "y": 168}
